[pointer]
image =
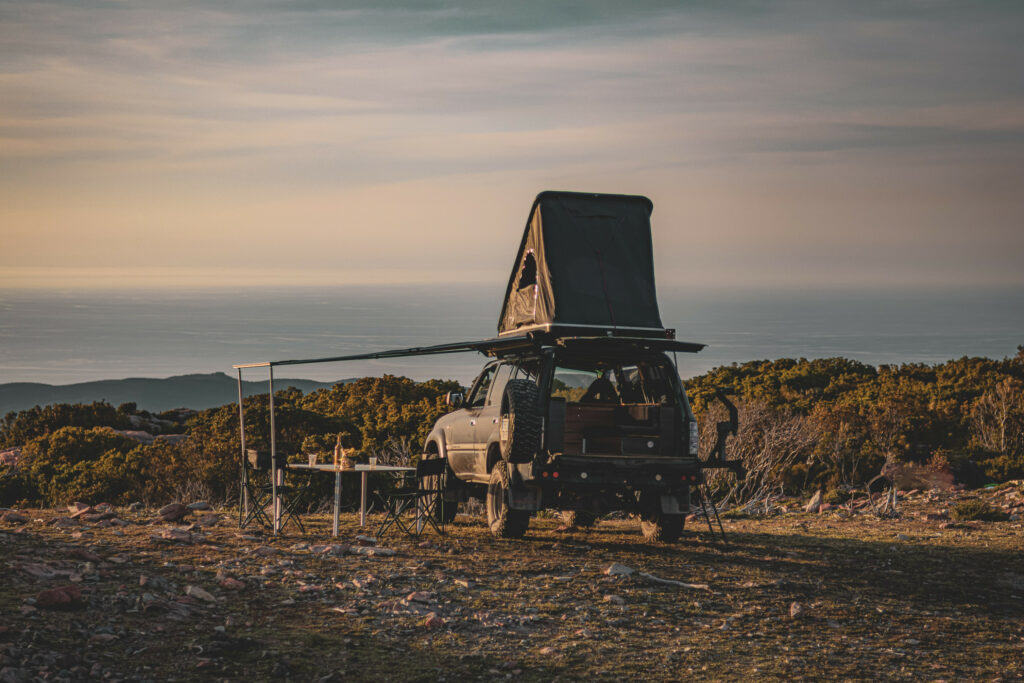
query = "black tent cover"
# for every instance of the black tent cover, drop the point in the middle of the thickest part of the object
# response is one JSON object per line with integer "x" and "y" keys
{"x": 586, "y": 261}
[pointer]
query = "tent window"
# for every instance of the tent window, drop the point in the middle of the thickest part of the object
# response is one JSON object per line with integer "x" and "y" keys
{"x": 528, "y": 275}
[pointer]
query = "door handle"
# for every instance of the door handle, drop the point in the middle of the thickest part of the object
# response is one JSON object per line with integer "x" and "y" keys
{"x": 494, "y": 421}
{"x": 472, "y": 422}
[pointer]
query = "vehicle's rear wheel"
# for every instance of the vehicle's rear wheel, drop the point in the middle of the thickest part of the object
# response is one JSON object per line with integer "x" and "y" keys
{"x": 519, "y": 429}
{"x": 579, "y": 519}
{"x": 657, "y": 525}
{"x": 503, "y": 521}
{"x": 662, "y": 527}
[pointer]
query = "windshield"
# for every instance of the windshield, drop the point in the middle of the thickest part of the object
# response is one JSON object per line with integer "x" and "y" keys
{"x": 613, "y": 381}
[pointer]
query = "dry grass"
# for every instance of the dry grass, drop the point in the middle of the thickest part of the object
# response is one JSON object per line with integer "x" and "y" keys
{"x": 890, "y": 599}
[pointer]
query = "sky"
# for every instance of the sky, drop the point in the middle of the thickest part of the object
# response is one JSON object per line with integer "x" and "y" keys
{"x": 156, "y": 144}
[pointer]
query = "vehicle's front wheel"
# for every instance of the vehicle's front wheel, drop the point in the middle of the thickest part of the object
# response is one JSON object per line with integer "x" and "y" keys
{"x": 503, "y": 521}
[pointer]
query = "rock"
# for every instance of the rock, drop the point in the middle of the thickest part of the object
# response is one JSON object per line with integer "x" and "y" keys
{"x": 815, "y": 503}
{"x": 231, "y": 583}
{"x": 548, "y": 650}
{"x": 155, "y": 583}
{"x": 464, "y": 583}
{"x": 364, "y": 583}
{"x": 420, "y": 596}
{"x": 199, "y": 505}
{"x": 173, "y": 512}
{"x": 614, "y": 599}
{"x": 264, "y": 551}
{"x": 93, "y": 517}
{"x": 795, "y": 610}
{"x": 12, "y": 517}
{"x": 82, "y": 512}
{"x": 38, "y": 570}
{"x": 135, "y": 507}
{"x": 176, "y": 535}
{"x": 105, "y": 507}
{"x": 433, "y": 621}
{"x": 902, "y": 537}
{"x": 365, "y": 540}
{"x": 211, "y": 519}
{"x": 199, "y": 594}
{"x": 84, "y": 554}
{"x": 616, "y": 569}
{"x": 65, "y": 597}
{"x": 825, "y": 507}
{"x": 370, "y": 552}
{"x": 78, "y": 507}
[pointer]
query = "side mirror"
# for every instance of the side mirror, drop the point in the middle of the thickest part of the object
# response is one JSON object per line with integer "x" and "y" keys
{"x": 454, "y": 398}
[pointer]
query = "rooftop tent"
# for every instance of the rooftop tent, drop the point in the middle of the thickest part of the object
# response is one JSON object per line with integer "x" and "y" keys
{"x": 586, "y": 260}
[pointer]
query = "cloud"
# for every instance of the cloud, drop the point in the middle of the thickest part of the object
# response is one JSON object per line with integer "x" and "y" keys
{"x": 139, "y": 130}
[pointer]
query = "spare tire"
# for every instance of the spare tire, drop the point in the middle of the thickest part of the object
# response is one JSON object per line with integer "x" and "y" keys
{"x": 519, "y": 426}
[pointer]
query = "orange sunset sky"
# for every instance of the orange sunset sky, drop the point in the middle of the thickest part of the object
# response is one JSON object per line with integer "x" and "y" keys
{"x": 246, "y": 143}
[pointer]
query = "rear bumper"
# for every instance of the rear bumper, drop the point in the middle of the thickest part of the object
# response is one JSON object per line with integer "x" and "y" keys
{"x": 613, "y": 471}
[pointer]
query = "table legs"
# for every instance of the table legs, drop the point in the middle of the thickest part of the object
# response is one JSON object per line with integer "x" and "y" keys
{"x": 362, "y": 501}
{"x": 278, "y": 483}
{"x": 337, "y": 501}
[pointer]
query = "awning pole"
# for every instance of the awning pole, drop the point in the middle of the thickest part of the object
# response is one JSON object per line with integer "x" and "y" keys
{"x": 244, "y": 493}
{"x": 273, "y": 456}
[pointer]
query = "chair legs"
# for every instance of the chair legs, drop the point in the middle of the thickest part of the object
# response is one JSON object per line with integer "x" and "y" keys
{"x": 257, "y": 492}
{"x": 397, "y": 507}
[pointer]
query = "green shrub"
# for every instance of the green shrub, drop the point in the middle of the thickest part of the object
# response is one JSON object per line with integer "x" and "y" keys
{"x": 17, "y": 428}
{"x": 75, "y": 463}
{"x": 976, "y": 510}
{"x": 836, "y": 497}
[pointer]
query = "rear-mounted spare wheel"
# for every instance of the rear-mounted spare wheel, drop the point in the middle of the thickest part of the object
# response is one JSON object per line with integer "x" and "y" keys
{"x": 519, "y": 427}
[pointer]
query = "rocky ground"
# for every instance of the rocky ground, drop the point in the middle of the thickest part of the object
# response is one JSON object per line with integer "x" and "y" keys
{"x": 843, "y": 593}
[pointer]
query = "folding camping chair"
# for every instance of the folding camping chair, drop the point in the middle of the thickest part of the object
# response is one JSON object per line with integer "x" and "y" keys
{"x": 425, "y": 497}
{"x": 258, "y": 490}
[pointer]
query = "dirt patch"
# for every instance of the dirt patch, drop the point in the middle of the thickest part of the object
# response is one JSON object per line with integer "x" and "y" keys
{"x": 840, "y": 594}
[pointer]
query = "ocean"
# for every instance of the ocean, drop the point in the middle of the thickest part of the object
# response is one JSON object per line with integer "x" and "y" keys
{"x": 62, "y": 336}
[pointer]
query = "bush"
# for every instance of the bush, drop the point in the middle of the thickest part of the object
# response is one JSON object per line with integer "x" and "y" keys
{"x": 976, "y": 510}
{"x": 18, "y": 428}
{"x": 75, "y": 463}
{"x": 836, "y": 497}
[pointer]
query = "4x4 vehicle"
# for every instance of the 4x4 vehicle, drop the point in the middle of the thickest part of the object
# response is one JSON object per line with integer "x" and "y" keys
{"x": 588, "y": 425}
{"x": 581, "y": 410}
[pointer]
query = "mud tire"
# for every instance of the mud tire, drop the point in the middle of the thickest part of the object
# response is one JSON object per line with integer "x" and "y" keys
{"x": 579, "y": 520}
{"x": 503, "y": 521}
{"x": 660, "y": 527}
{"x": 520, "y": 441}
{"x": 656, "y": 525}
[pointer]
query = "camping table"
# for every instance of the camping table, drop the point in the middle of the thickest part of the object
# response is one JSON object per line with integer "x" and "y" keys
{"x": 362, "y": 469}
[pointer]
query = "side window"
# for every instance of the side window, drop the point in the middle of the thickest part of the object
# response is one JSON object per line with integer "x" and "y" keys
{"x": 479, "y": 395}
{"x": 500, "y": 380}
{"x": 528, "y": 273}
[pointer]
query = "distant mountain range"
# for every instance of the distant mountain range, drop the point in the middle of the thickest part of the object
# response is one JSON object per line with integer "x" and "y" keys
{"x": 155, "y": 395}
